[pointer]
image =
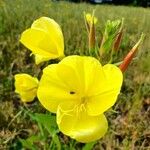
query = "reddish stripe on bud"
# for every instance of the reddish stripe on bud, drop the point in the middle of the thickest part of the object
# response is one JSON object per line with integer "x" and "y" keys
{"x": 92, "y": 35}
{"x": 127, "y": 60}
{"x": 118, "y": 40}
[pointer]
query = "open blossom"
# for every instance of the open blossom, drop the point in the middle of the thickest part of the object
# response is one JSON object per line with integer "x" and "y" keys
{"x": 79, "y": 90}
{"x": 44, "y": 39}
{"x": 26, "y": 86}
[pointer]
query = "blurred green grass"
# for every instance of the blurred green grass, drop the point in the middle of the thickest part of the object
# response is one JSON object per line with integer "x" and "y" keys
{"x": 129, "y": 118}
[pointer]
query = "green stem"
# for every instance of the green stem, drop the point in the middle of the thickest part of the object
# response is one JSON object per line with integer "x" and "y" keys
{"x": 111, "y": 57}
{"x": 16, "y": 116}
{"x": 119, "y": 63}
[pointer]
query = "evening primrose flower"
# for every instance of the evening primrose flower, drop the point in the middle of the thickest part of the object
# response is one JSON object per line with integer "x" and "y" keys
{"x": 44, "y": 39}
{"x": 79, "y": 90}
{"x": 26, "y": 86}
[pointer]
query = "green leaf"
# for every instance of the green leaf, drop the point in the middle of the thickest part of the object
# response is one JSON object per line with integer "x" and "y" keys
{"x": 48, "y": 122}
{"x": 111, "y": 31}
{"x": 29, "y": 142}
{"x": 89, "y": 146}
{"x": 112, "y": 26}
{"x": 108, "y": 43}
{"x": 57, "y": 142}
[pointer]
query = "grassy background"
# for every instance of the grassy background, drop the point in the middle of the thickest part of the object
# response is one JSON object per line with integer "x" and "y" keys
{"x": 129, "y": 125}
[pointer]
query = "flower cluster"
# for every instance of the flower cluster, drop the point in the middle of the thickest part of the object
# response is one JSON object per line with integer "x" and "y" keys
{"x": 78, "y": 88}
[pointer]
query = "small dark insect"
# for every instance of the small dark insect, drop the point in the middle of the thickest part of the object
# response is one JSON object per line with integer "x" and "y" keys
{"x": 72, "y": 92}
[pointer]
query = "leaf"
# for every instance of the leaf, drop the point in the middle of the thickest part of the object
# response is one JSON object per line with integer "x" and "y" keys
{"x": 29, "y": 142}
{"x": 108, "y": 43}
{"x": 57, "y": 142}
{"x": 111, "y": 31}
{"x": 89, "y": 146}
{"x": 48, "y": 122}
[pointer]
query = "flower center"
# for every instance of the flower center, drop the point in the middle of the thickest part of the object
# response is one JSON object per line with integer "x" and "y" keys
{"x": 72, "y": 92}
{"x": 81, "y": 106}
{"x": 83, "y": 100}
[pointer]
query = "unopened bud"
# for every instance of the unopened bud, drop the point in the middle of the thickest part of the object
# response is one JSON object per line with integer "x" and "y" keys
{"x": 92, "y": 36}
{"x": 127, "y": 60}
{"x": 118, "y": 38}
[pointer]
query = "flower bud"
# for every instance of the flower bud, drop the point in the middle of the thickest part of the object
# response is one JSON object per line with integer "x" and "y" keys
{"x": 118, "y": 38}
{"x": 127, "y": 60}
{"x": 26, "y": 86}
{"x": 90, "y": 22}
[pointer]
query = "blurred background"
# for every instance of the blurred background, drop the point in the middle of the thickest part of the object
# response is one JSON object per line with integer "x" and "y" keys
{"x": 143, "y": 3}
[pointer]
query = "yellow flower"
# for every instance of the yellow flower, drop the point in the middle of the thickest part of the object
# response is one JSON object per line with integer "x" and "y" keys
{"x": 26, "y": 86}
{"x": 44, "y": 39}
{"x": 89, "y": 19}
{"x": 79, "y": 90}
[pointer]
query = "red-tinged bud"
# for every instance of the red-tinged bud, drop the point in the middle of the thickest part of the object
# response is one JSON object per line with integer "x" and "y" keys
{"x": 118, "y": 41}
{"x": 127, "y": 60}
{"x": 101, "y": 49}
{"x": 118, "y": 38}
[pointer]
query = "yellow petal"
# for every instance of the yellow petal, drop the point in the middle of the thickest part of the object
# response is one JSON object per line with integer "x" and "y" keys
{"x": 26, "y": 86}
{"x": 40, "y": 58}
{"x": 82, "y": 80}
{"x": 80, "y": 126}
{"x": 89, "y": 18}
{"x": 97, "y": 104}
{"x": 25, "y": 82}
{"x": 44, "y": 38}
{"x": 28, "y": 96}
{"x": 113, "y": 75}
{"x": 38, "y": 42}
{"x": 74, "y": 74}
{"x": 53, "y": 90}
{"x": 79, "y": 90}
{"x": 54, "y": 31}
{"x": 88, "y": 70}
{"x": 70, "y": 78}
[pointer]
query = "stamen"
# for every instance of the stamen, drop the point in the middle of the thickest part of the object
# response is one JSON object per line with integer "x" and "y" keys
{"x": 81, "y": 106}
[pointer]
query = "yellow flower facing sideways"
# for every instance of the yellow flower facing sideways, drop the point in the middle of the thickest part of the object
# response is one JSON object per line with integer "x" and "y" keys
{"x": 89, "y": 18}
{"x": 79, "y": 90}
{"x": 26, "y": 86}
{"x": 44, "y": 39}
